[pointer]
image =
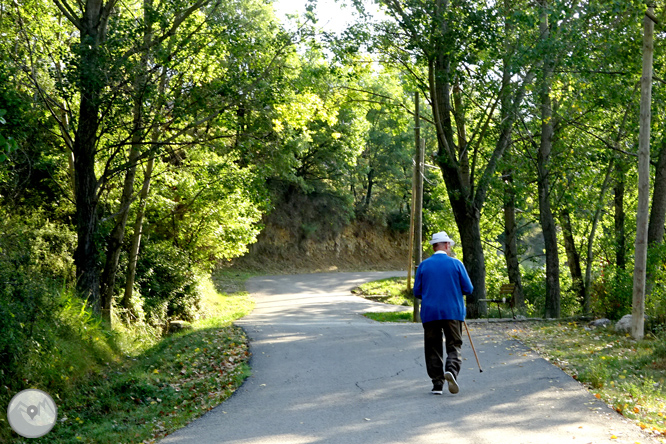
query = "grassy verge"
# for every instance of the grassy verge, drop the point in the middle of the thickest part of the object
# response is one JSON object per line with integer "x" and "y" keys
{"x": 143, "y": 388}
{"x": 390, "y": 291}
{"x": 627, "y": 375}
{"x": 400, "y": 316}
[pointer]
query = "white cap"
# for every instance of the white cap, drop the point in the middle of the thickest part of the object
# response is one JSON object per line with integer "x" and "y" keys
{"x": 441, "y": 237}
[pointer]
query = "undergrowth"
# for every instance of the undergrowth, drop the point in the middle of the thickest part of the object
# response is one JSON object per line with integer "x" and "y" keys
{"x": 627, "y": 375}
{"x": 131, "y": 384}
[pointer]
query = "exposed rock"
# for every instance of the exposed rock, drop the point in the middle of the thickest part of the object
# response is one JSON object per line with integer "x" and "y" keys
{"x": 600, "y": 323}
{"x": 624, "y": 324}
{"x": 178, "y": 326}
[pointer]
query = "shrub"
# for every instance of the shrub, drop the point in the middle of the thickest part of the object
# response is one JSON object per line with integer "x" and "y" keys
{"x": 168, "y": 283}
{"x": 534, "y": 289}
{"x": 611, "y": 294}
{"x": 398, "y": 221}
{"x": 35, "y": 266}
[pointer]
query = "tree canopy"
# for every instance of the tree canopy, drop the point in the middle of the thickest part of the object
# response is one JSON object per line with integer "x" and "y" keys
{"x": 164, "y": 134}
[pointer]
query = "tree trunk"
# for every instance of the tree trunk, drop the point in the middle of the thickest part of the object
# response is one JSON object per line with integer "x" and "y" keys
{"x": 587, "y": 303}
{"x": 417, "y": 212}
{"x": 138, "y": 233}
{"x": 473, "y": 259}
{"x": 619, "y": 217}
{"x": 638, "y": 300}
{"x": 368, "y": 193}
{"x": 86, "y": 257}
{"x": 573, "y": 257}
{"x": 655, "y": 235}
{"x": 115, "y": 241}
{"x": 510, "y": 242}
{"x": 506, "y": 128}
{"x": 658, "y": 210}
{"x": 552, "y": 308}
{"x": 91, "y": 81}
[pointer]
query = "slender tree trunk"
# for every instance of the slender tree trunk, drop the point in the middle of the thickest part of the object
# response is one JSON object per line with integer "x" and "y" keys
{"x": 137, "y": 234}
{"x": 620, "y": 168}
{"x": 587, "y": 305}
{"x": 417, "y": 211}
{"x": 573, "y": 257}
{"x": 638, "y": 303}
{"x": 655, "y": 235}
{"x": 658, "y": 209}
{"x": 368, "y": 193}
{"x": 511, "y": 243}
{"x": 115, "y": 241}
{"x": 619, "y": 217}
{"x": 552, "y": 309}
{"x": 506, "y": 128}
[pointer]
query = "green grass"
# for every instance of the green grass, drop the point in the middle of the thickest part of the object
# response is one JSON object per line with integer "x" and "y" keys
{"x": 401, "y": 316}
{"x": 390, "y": 291}
{"x": 134, "y": 387}
{"x": 627, "y": 375}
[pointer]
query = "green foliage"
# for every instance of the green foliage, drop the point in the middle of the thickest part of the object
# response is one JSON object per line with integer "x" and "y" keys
{"x": 168, "y": 283}
{"x": 611, "y": 294}
{"x": 534, "y": 289}
{"x": 655, "y": 303}
{"x": 35, "y": 268}
{"x": 7, "y": 144}
{"x": 130, "y": 385}
{"x": 206, "y": 206}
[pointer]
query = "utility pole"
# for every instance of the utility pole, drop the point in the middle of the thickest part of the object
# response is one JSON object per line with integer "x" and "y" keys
{"x": 640, "y": 263}
{"x": 415, "y": 225}
{"x": 418, "y": 218}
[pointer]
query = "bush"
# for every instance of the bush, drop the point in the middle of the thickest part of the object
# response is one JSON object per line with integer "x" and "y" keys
{"x": 398, "y": 221}
{"x": 534, "y": 289}
{"x": 167, "y": 282}
{"x": 35, "y": 267}
{"x": 611, "y": 294}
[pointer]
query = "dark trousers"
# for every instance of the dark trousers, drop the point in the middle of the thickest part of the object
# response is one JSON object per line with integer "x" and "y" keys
{"x": 434, "y": 353}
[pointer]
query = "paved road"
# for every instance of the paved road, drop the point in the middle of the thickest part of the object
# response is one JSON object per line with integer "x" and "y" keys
{"x": 322, "y": 373}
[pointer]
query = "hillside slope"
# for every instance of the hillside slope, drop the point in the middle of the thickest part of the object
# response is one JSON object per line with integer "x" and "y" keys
{"x": 310, "y": 233}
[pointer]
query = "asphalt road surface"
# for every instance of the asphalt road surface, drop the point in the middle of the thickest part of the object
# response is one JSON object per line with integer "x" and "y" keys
{"x": 323, "y": 373}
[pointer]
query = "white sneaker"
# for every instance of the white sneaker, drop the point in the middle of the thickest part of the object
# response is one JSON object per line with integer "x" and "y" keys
{"x": 453, "y": 384}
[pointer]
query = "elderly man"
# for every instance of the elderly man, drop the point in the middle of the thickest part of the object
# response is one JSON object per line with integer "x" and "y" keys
{"x": 440, "y": 283}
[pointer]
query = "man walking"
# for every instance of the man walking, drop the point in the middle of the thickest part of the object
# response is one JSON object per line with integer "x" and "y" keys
{"x": 440, "y": 283}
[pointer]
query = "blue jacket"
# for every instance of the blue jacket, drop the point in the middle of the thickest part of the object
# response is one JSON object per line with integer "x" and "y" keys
{"x": 440, "y": 283}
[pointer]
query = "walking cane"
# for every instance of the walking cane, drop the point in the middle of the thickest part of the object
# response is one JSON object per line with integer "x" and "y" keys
{"x": 472, "y": 344}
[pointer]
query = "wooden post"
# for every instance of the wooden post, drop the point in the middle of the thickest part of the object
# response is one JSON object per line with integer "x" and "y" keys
{"x": 410, "y": 263}
{"x": 418, "y": 218}
{"x": 640, "y": 264}
{"x": 415, "y": 220}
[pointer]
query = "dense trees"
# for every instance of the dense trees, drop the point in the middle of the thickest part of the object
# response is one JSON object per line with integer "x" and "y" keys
{"x": 160, "y": 133}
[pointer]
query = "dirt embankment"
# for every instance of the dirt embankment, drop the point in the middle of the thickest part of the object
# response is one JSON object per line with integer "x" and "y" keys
{"x": 318, "y": 231}
{"x": 360, "y": 246}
